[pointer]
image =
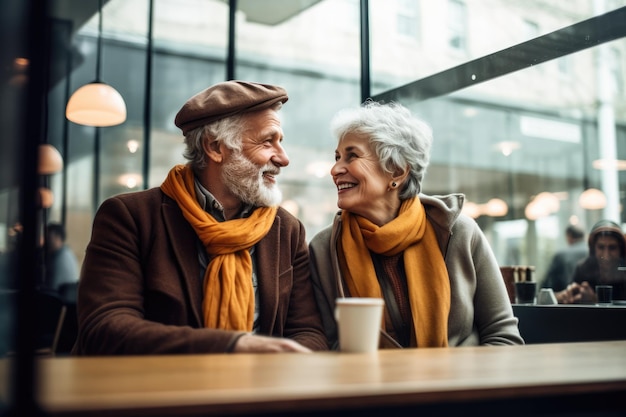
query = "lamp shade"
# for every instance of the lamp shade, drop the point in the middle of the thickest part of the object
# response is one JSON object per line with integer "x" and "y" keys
{"x": 46, "y": 197}
{"x": 50, "y": 160}
{"x": 96, "y": 104}
{"x": 471, "y": 209}
{"x": 535, "y": 210}
{"x": 496, "y": 208}
{"x": 592, "y": 199}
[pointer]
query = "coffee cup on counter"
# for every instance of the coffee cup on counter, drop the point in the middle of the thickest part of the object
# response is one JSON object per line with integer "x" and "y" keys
{"x": 604, "y": 294}
{"x": 522, "y": 274}
{"x": 525, "y": 292}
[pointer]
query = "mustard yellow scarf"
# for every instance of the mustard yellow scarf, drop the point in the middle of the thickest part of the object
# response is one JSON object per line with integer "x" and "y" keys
{"x": 228, "y": 293}
{"x": 427, "y": 276}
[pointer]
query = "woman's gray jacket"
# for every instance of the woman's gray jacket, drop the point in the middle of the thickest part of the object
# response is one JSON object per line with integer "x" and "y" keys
{"x": 480, "y": 309}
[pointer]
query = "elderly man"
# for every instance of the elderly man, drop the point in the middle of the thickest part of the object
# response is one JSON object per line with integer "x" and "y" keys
{"x": 207, "y": 262}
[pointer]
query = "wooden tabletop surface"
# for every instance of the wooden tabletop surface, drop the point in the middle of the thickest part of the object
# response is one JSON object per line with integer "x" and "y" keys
{"x": 247, "y": 383}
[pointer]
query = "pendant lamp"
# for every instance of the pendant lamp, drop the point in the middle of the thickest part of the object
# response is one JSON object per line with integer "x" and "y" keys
{"x": 496, "y": 207}
{"x": 592, "y": 199}
{"x": 45, "y": 197}
{"x": 96, "y": 103}
{"x": 50, "y": 160}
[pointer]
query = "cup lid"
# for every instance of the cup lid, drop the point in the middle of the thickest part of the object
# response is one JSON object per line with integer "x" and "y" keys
{"x": 363, "y": 301}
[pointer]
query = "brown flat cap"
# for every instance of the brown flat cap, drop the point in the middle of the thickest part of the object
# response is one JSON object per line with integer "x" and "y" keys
{"x": 227, "y": 99}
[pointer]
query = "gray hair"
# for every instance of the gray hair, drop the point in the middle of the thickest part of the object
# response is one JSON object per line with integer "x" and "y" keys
{"x": 228, "y": 131}
{"x": 399, "y": 139}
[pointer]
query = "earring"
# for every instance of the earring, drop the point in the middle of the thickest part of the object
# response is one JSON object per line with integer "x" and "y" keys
{"x": 393, "y": 184}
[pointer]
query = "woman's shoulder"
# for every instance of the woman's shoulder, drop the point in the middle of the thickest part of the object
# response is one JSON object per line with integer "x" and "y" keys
{"x": 323, "y": 237}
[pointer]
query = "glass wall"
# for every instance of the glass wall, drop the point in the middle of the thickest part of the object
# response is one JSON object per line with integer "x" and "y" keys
{"x": 526, "y": 98}
{"x": 526, "y": 126}
{"x": 516, "y": 132}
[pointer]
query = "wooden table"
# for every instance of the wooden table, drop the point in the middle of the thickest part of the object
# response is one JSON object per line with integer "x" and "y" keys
{"x": 546, "y": 378}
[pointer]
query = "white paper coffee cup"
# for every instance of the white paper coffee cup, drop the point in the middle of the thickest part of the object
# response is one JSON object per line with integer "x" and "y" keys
{"x": 358, "y": 322}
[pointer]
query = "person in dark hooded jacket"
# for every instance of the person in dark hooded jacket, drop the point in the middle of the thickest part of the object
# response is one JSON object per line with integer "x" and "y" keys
{"x": 603, "y": 266}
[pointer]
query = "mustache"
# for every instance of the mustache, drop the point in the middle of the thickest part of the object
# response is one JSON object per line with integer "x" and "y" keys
{"x": 270, "y": 169}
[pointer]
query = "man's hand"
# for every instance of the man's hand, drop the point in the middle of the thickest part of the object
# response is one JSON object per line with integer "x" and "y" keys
{"x": 249, "y": 343}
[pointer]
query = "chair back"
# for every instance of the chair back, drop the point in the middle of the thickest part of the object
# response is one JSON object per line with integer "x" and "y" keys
{"x": 50, "y": 315}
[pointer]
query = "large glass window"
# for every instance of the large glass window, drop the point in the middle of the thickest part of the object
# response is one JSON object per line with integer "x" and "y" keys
{"x": 407, "y": 18}
{"x": 457, "y": 26}
{"x": 616, "y": 68}
{"x": 101, "y": 161}
{"x": 315, "y": 56}
{"x": 510, "y": 121}
{"x": 524, "y": 143}
{"x": 490, "y": 26}
{"x": 526, "y": 99}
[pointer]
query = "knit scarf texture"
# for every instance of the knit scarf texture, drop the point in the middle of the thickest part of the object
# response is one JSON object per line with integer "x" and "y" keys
{"x": 228, "y": 292}
{"x": 427, "y": 277}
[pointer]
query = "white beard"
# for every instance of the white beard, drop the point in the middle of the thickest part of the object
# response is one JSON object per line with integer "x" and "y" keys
{"x": 245, "y": 180}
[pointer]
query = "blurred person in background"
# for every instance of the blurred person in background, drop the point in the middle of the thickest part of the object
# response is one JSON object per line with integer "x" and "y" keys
{"x": 61, "y": 262}
{"x": 607, "y": 254}
{"x": 561, "y": 270}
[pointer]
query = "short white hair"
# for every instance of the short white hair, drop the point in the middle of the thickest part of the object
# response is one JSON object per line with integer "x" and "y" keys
{"x": 399, "y": 139}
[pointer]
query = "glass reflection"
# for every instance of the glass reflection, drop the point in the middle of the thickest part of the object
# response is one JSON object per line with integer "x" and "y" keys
{"x": 509, "y": 138}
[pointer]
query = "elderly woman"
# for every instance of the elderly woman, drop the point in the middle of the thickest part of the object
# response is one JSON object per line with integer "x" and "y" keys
{"x": 432, "y": 264}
